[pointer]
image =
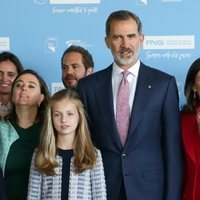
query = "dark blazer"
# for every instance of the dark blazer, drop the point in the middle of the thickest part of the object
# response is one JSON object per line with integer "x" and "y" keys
{"x": 151, "y": 161}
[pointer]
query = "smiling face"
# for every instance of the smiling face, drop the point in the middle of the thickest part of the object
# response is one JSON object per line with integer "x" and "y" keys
{"x": 65, "y": 117}
{"x": 27, "y": 91}
{"x": 124, "y": 40}
{"x": 8, "y": 73}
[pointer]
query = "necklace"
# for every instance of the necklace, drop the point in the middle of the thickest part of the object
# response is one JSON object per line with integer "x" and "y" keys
{"x": 4, "y": 109}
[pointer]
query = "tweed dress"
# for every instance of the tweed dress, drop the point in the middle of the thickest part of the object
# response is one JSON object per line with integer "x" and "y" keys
{"x": 87, "y": 185}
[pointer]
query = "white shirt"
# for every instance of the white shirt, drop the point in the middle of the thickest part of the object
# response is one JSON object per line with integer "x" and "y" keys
{"x": 132, "y": 79}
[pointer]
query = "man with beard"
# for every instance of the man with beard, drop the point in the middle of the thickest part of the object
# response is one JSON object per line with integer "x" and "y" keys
{"x": 76, "y": 63}
{"x": 144, "y": 162}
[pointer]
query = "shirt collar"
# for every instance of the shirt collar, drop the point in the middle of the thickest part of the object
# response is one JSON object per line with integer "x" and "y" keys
{"x": 134, "y": 70}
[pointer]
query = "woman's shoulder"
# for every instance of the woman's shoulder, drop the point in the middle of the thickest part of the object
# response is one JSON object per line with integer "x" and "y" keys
{"x": 98, "y": 158}
{"x": 98, "y": 152}
{"x": 7, "y": 127}
{"x": 5, "y": 123}
{"x": 188, "y": 117}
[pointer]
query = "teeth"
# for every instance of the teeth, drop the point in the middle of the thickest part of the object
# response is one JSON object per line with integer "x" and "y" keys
{"x": 4, "y": 85}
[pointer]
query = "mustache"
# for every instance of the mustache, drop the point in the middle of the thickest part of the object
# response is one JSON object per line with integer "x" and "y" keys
{"x": 122, "y": 50}
{"x": 70, "y": 76}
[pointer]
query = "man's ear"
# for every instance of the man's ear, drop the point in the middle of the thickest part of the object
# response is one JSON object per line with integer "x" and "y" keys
{"x": 141, "y": 39}
{"x": 89, "y": 71}
{"x": 107, "y": 41}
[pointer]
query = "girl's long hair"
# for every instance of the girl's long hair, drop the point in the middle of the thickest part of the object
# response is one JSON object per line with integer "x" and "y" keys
{"x": 84, "y": 150}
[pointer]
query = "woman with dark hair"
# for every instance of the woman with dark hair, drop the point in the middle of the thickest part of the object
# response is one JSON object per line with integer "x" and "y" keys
{"x": 191, "y": 133}
{"x": 19, "y": 133}
{"x": 10, "y": 67}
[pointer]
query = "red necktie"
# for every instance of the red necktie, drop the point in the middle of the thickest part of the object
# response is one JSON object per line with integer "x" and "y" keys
{"x": 122, "y": 108}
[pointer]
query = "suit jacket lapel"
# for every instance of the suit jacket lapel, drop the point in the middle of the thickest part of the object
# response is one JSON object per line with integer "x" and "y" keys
{"x": 142, "y": 96}
{"x": 104, "y": 97}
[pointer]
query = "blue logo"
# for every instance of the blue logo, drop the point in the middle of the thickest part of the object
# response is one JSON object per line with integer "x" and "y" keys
{"x": 141, "y": 2}
{"x": 39, "y": 2}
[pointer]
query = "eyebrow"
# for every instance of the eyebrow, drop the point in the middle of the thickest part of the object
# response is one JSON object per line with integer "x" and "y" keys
{"x": 7, "y": 72}
{"x": 74, "y": 63}
{"x": 28, "y": 82}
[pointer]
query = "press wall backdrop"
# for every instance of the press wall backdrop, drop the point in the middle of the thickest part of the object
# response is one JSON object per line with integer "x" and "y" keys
{"x": 38, "y": 32}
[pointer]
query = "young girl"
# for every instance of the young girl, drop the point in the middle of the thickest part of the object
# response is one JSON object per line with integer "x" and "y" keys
{"x": 66, "y": 165}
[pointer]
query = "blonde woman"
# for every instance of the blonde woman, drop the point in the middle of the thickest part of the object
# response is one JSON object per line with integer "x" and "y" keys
{"x": 66, "y": 165}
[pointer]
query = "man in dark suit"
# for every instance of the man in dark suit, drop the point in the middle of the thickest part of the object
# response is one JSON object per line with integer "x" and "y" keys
{"x": 148, "y": 166}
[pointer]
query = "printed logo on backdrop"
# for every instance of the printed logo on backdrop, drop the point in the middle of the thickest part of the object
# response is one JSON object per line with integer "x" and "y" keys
{"x": 74, "y": 10}
{"x": 78, "y": 43}
{"x": 170, "y": 43}
{"x": 171, "y": 1}
{"x": 4, "y": 43}
{"x": 141, "y": 2}
{"x": 40, "y": 2}
{"x": 51, "y": 44}
{"x": 56, "y": 87}
{"x": 74, "y": 1}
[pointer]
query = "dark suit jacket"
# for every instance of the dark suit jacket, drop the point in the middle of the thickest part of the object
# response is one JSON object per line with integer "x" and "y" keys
{"x": 151, "y": 161}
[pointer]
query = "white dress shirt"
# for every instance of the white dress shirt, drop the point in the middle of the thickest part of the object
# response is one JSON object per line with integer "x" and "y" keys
{"x": 132, "y": 79}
